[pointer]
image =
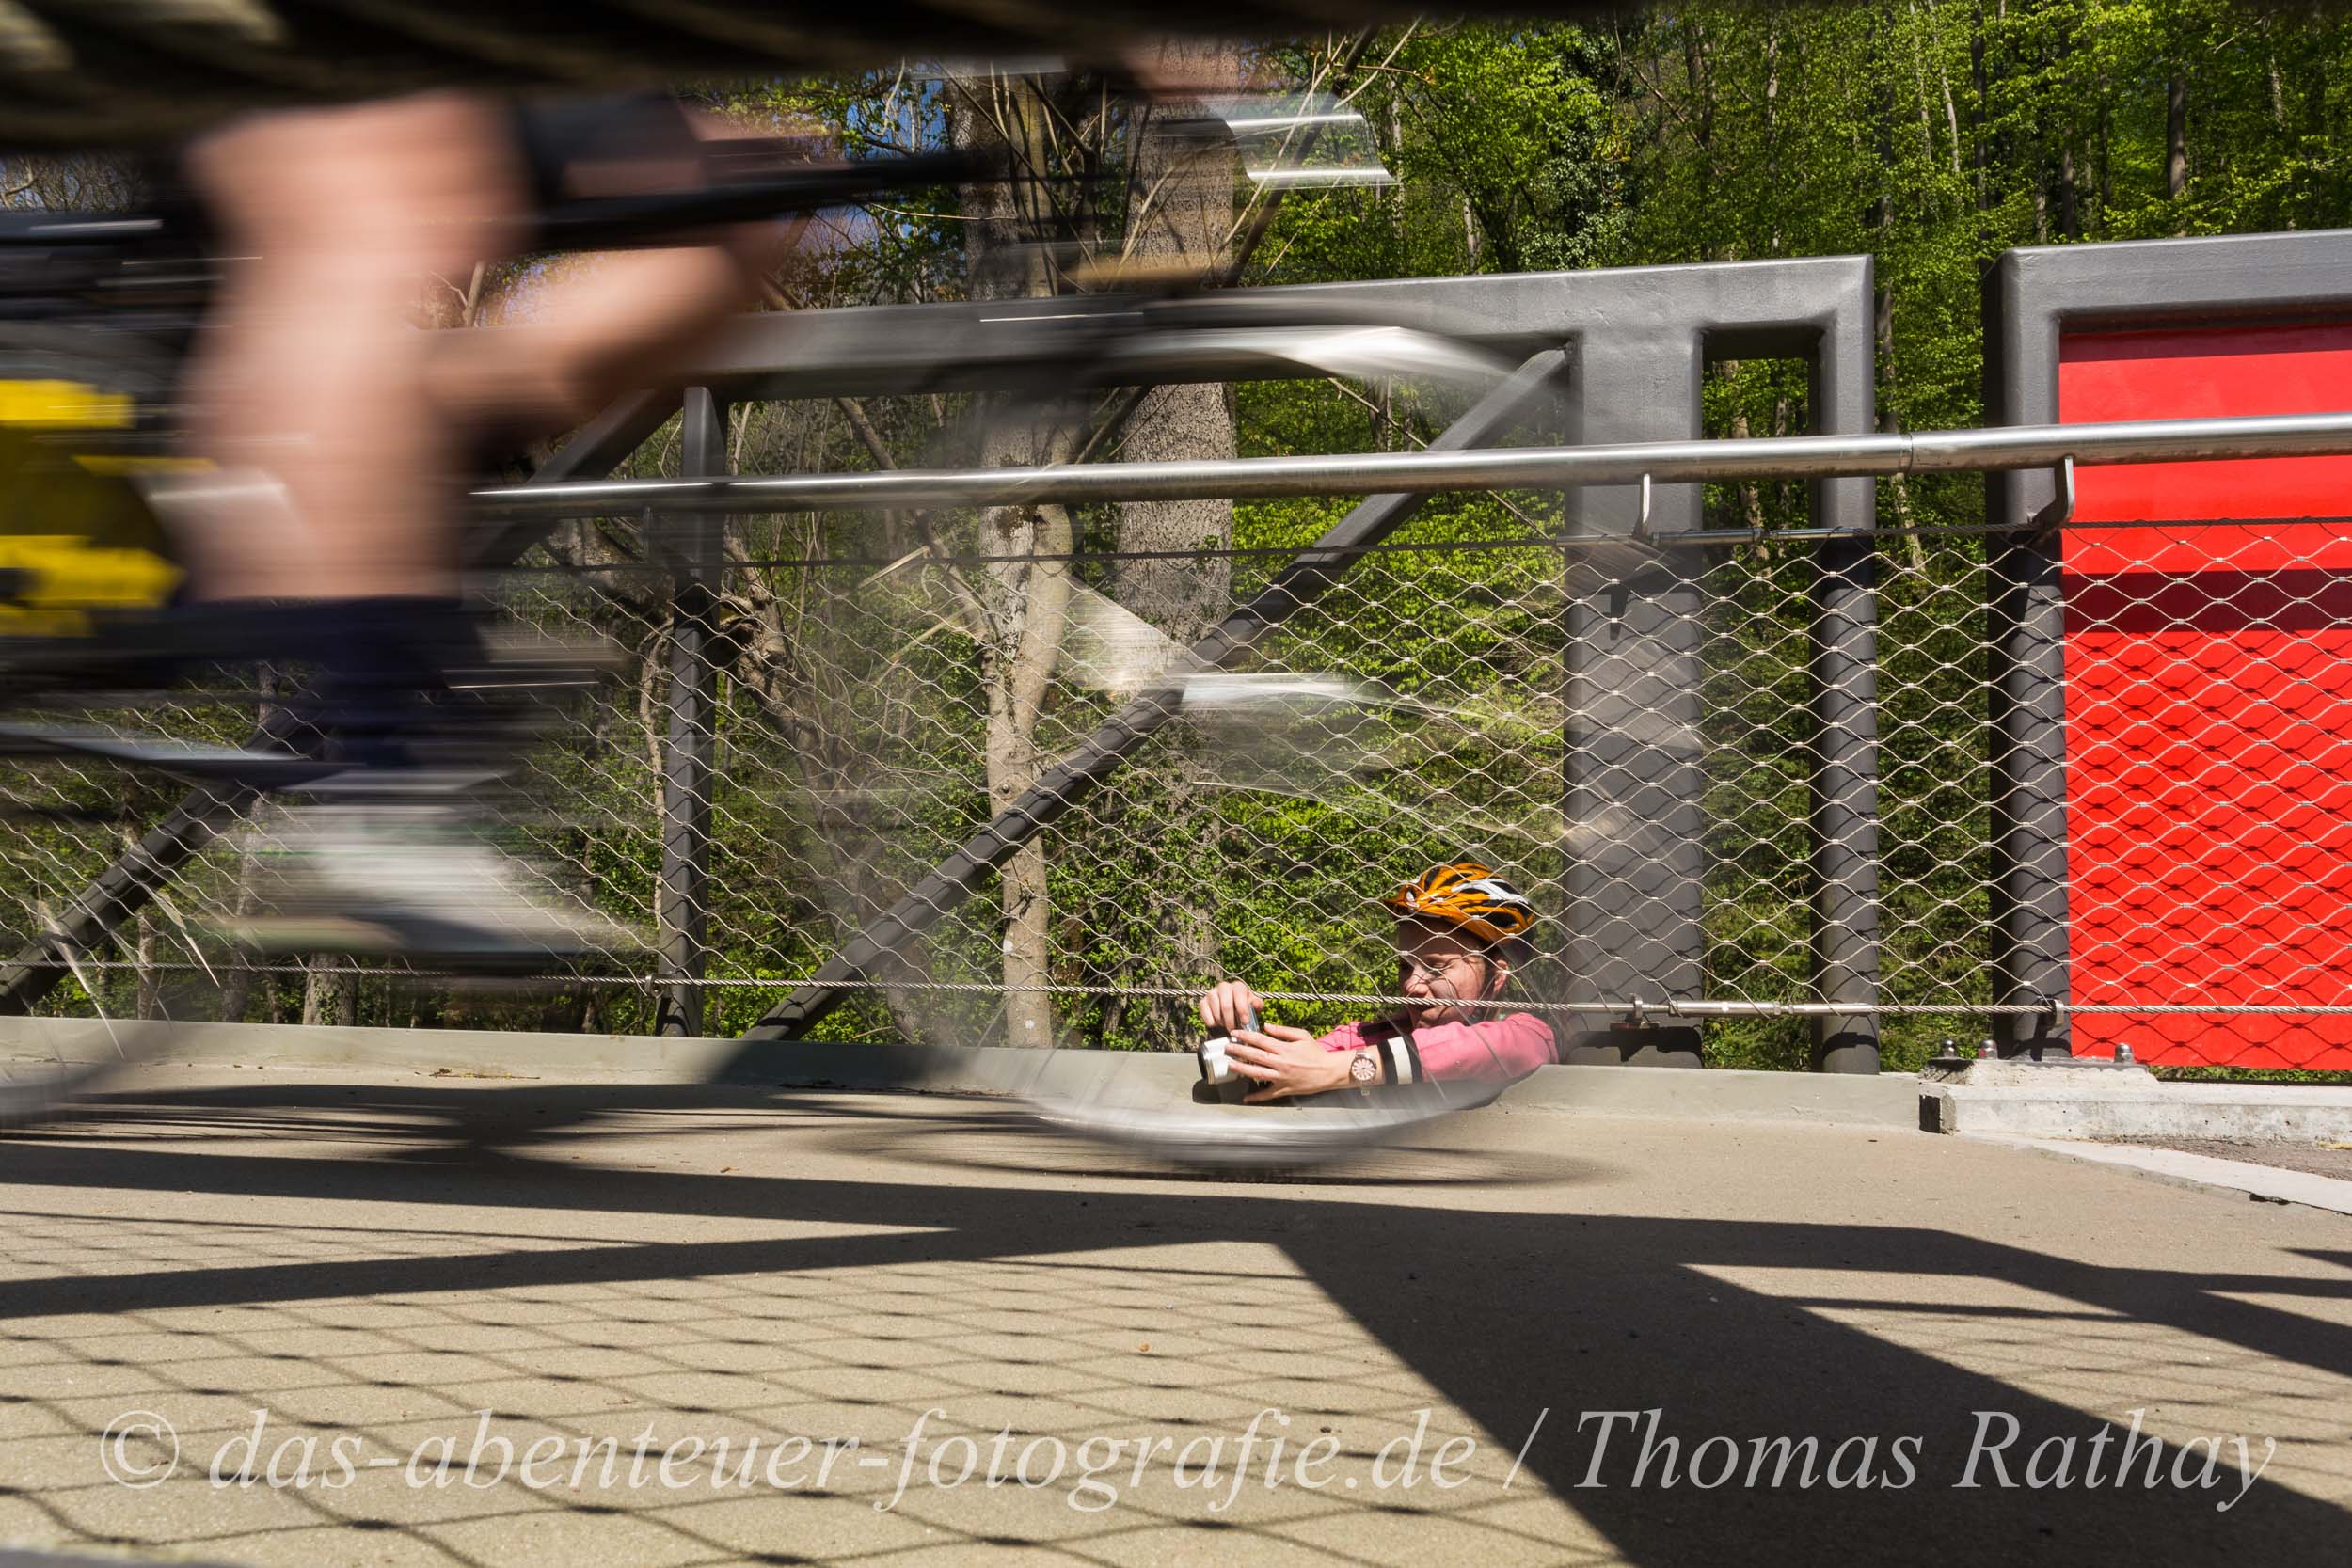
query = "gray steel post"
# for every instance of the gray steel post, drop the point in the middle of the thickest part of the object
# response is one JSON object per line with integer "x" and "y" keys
{"x": 1636, "y": 903}
{"x": 1634, "y": 895}
{"x": 1844, "y": 788}
{"x": 2025, "y": 633}
{"x": 2025, "y": 611}
{"x": 1845, "y": 770}
{"x": 697, "y": 545}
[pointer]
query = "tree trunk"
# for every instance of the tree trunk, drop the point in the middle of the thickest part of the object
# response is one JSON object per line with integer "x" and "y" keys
{"x": 150, "y": 996}
{"x": 1883, "y": 302}
{"x": 1694, "y": 59}
{"x": 1188, "y": 215}
{"x": 1024, "y": 601}
{"x": 1919, "y": 77}
{"x": 1185, "y": 230}
{"x": 1750, "y": 495}
{"x": 1980, "y": 136}
{"x": 328, "y": 997}
{"x": 2103, "y": 167}
{"x": 1772, "y": 124}
{"x": 1979, "y": 85}
{"x": 1944, "y": 80}
{"x": 2176, "y": 137}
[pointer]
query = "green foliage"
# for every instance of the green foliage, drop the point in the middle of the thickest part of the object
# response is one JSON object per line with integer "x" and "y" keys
{"x": 1505, "y": 142}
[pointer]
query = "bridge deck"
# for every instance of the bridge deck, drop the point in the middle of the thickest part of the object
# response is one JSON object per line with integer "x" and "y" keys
{"x": 379, "y": 1258}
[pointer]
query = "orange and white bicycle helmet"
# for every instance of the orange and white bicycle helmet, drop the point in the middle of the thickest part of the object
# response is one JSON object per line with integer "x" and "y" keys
{"x": 1469, "y": 894}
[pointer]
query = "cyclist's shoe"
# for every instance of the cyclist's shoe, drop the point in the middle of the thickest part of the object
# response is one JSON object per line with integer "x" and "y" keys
{"x": 400, "y": 870}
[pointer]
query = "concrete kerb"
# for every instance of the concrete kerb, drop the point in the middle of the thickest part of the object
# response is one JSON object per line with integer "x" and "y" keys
{"x": 2016, "y": 1099}
{"x": 628, "y": 1058}
{"x": 1109, "y": 1077}
{"x": 2194, "y": 1170}
{"x": 1722, "y": 1094}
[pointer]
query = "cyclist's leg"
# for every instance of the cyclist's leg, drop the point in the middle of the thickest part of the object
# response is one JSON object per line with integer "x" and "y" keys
{"x": 333, "y": 542}
{"x": 629, "y": 319}
{"x": 346, "y": 425}
{"x": 313, "y": 374}
{"x": 610, "y": 322}
{"x": 312, "y": 370}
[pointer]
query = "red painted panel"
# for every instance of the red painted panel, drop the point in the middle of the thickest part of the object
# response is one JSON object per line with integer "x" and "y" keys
{"x": 2209, "y": 707}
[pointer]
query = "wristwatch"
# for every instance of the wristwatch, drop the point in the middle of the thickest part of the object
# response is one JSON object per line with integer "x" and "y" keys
{"x": 1363, "y": 1068}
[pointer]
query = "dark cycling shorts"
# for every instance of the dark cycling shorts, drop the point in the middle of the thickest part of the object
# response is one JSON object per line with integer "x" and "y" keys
{"x": 557, "y": 136}
{"x": 553, "y": 137}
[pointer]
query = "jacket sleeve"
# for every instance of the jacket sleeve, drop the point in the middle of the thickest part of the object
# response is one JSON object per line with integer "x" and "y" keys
{"x": 1347, "y": 1036}
{"x": 1490, "y": 1048}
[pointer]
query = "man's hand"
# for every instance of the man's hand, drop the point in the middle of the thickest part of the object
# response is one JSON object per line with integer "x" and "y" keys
{"x": 1228, "y": 1007}
{"x": 1286, "y": 1061}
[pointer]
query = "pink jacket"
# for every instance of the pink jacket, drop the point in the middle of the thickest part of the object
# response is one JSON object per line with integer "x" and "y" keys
{"x": 1509, "y": 1047}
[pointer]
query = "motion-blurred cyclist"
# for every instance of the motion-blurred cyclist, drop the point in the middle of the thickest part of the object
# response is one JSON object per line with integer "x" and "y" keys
{"x": 337, "y": 432}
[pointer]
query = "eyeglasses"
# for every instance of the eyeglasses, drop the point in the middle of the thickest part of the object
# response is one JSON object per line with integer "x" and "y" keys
{"x": 1410, "y": 969}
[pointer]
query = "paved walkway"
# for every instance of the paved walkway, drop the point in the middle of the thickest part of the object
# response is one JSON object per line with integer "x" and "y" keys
{"x": 621, "y": 1275}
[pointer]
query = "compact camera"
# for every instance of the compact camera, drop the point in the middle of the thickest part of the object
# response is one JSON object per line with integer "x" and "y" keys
{"x": 1219, "y": 1083}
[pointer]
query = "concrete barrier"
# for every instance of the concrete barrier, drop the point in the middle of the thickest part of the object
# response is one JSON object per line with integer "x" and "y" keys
{"x": 2024, "y": 1101}
{"x": 1102, "y": 1077}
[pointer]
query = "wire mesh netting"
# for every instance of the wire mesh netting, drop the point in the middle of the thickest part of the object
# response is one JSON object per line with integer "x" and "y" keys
{"x": 1749, "y": 776}
{"x": 2209, "y": 730}
{"x": 1453, "y": 695}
